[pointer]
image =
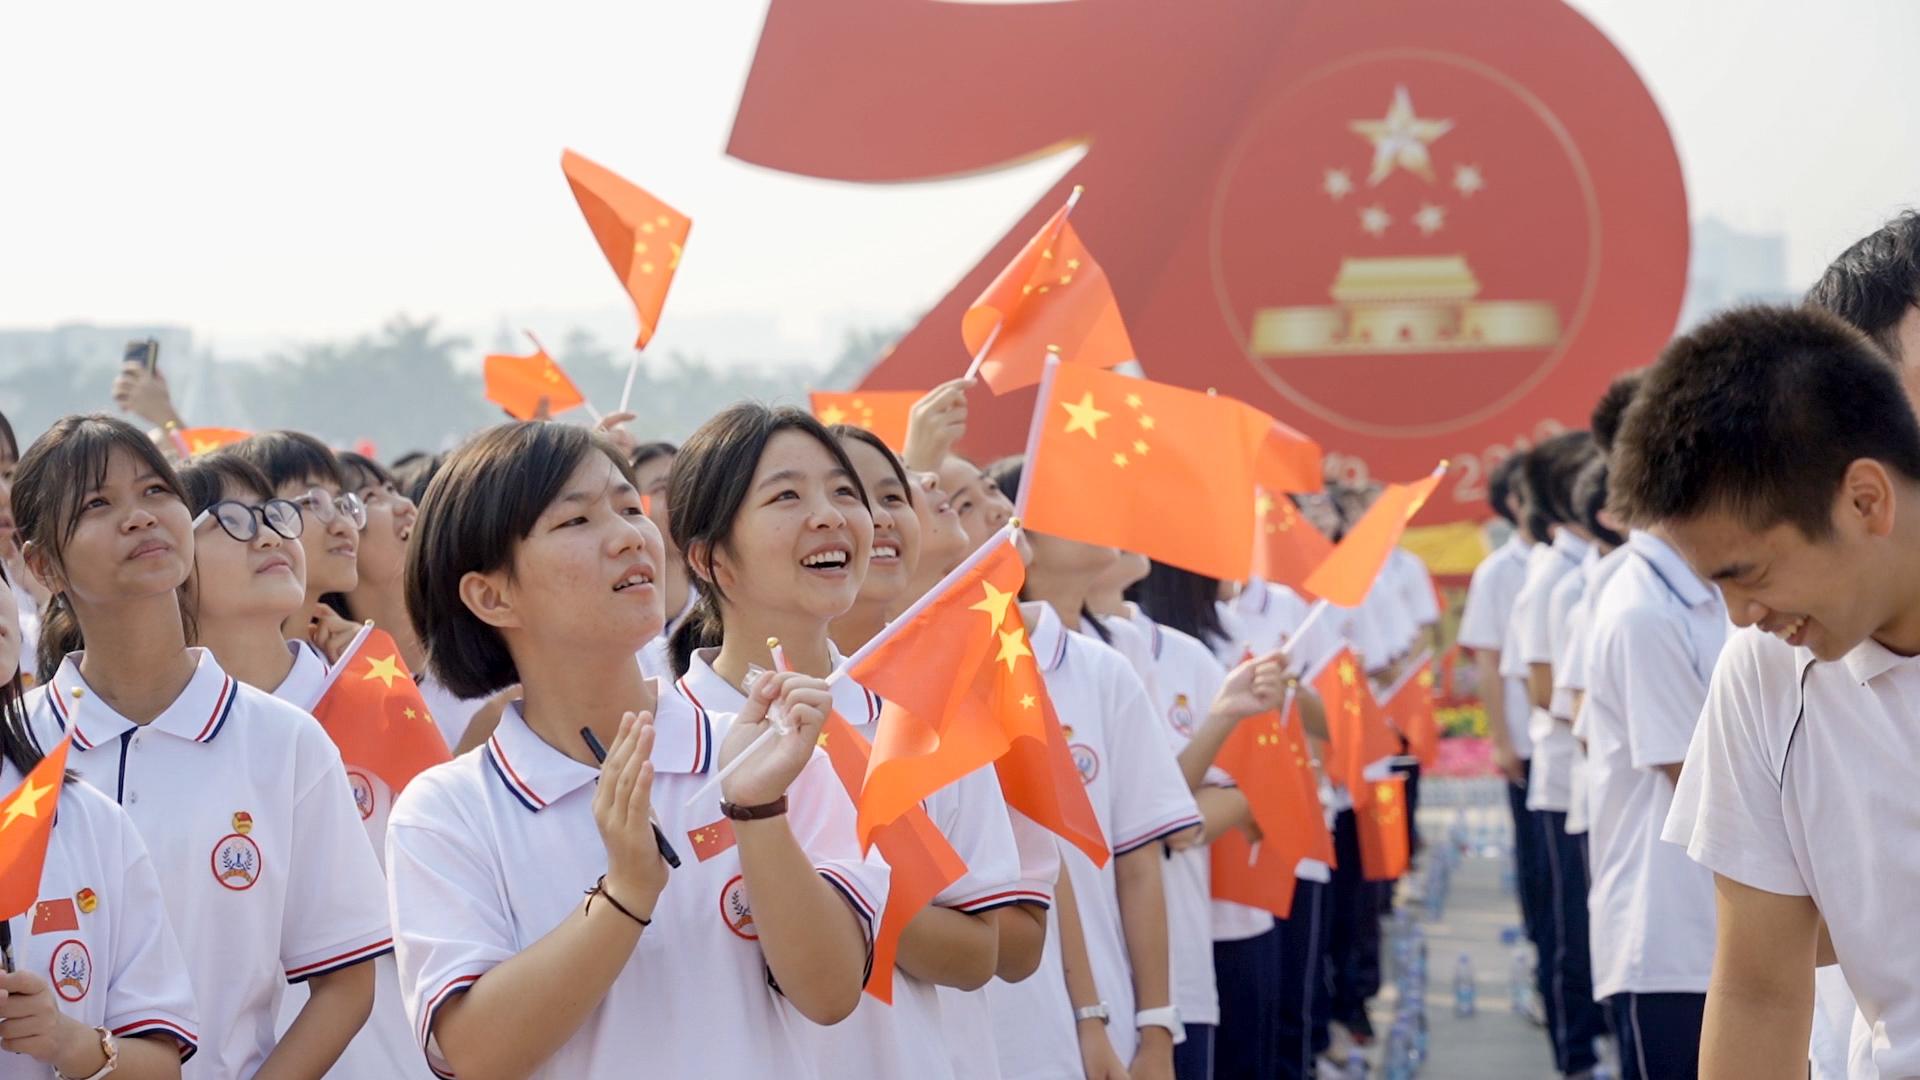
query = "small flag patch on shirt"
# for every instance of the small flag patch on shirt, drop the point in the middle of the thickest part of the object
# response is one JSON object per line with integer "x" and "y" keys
{"x": 711, "y": 840}
{"x": 51, "y": 916}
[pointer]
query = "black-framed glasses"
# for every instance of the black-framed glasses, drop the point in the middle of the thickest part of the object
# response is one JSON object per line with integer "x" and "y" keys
{"x": 242, "y": 522}
{"x": 325, "y": 508}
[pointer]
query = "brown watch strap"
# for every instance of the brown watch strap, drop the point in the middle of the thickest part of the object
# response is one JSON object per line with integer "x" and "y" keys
{"x": 755, "y": 813}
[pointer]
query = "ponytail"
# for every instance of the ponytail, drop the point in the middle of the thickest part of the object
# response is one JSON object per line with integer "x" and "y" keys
{"x": 59, "y": 635}
{"x": 701, "y": 629}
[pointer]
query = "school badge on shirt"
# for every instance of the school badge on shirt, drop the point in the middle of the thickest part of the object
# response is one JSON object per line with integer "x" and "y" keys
{"x": 1084, "y": 759}
{"x": 70, "y": 972}
{"x": 362, "y": 793}
{"x": 236, "y": 858}
{"x": 1181, "y": 715}
{"x": 735, "y": 910}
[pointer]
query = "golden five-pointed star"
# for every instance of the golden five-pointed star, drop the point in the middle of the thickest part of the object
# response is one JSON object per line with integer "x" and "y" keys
{"x": 1027, "y": 701}
{"x": 1346, "y": 673}
{"x": 1400, "y": 139}
{"x": 385, "y": 669}
{"x": 1430, "y": 219}
{"x": 832, "y": 416}
{"x": 1374, "y": 221}
{"x": 1337, "y": 184}
{"x": 995, "y": 604}
{"x": 27, "y": 803}
{"x": 1467, "y": 179}
{"x": 1263, "y": 504}
{"x": 1013, "y": 646}
{"x": 1084, "y": 416}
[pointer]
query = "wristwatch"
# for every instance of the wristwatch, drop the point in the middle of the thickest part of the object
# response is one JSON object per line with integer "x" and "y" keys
{"x": 1166, "y": 1016}
{"x": 1098, "y": 1012}
{"x": 108, "y": 1047}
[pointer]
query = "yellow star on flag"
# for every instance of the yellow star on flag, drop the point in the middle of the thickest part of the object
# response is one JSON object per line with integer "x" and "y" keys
{"x": 409, "y": 713}
{"x": 1146, "y": 422}
{"x": 1263, "y": 504}
{"x": 27, "y": 803}
{"x": 995, "y": 604}
{"x": 1084, "y": 416}
{"x": 1026, "y": 701}
{"x": 1120, "y": 460}
{"x": 1346, "y": 673}
{"x": 1133, "y": 401}
{"x": 386, "y": 670}
{"x": 832, "y": 416}
{"x": 1140, "y": 446}
{"x": 1013, "y": 646}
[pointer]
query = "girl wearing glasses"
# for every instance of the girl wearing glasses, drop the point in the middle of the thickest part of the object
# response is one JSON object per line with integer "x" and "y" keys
{"x": 249, "y": 576}
{"x": 304, "y": 472}
{"x": 241, "y": 799}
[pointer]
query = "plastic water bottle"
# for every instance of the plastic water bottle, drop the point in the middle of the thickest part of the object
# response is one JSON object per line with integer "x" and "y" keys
{"x": 1463, "y": 986}
{"x": 1399, "y": 1063}
{"x": 1520, "y": 980}
{"x": 1356, "y": 1065}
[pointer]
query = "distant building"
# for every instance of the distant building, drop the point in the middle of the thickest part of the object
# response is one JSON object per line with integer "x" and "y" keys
{"x": 1730, "y": 267}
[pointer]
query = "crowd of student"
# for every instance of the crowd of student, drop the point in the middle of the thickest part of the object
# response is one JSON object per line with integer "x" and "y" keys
{"x": 1696, "y": 653}
{"x": 592, "y": 621}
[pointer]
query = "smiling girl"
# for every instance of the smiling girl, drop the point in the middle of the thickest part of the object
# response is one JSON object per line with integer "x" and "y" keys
{"x": 779, "y": 533}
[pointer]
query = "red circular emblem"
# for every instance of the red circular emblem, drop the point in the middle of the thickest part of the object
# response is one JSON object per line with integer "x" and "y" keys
{"x": 236, "y": 862}
{"x": 735, "y": 911}
{"x": 70, "y": 972}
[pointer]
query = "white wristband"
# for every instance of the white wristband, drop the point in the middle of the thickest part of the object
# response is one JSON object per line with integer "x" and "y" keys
{"x": 1166, "y": 1016}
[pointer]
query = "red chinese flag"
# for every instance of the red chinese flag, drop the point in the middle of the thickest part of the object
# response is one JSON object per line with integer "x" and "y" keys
{"x": 710, "y": 840}
{"x": 1286, "y": 546}
{"x": 1348, "y": 573}
{"x": 1380, "y": 818}
{"x": 883, "y": 412}
{"x": 958, "y": 681}
{"x": 1268, "y": 760}
{"x": 26, "y": 824}
{"x": 517, "y": 383}
{"x": 922, "y": 860}
{"x": 1261, "y": 877}
{"x": 195, "y": 441}
{"x": 1410, "y": 707}
{"x": 1290, "y": 462}
{"x": 1040, "y": 780}
{"x": 376, "y": 716}
{"x": 1110, "y": 457}
{"x": 641, "y": 236}
{"x": 1358, "y": 731}
{"x": 1052, "y": 297}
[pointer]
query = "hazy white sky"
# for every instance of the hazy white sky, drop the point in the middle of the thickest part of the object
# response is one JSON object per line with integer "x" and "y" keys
{"x": 269, "y": 172}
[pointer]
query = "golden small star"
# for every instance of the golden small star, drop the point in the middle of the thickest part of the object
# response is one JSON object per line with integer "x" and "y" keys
{"x": 1027, "y": 701}
{"x": 646, "y": 227}
{"x": 1346, "y": 673}
{"x": 1133, "y": 401}
{"x": 1430, "y": 219}
{"x": 663, "y": 221}
{"x": 1374, "y": 220}
{"x": 1013, "y": 646}
{"x": 1425, "y": 678}
{"x": 1139, "y": 446}
{"x": 832, "y": 415}
{"x": 1467, "y": 180}
{"x": 1400, "y": 139}
{"x": 1263, "y": 504}
{"x": 1073, "y": 264}
{"x": 646, "y": 268}
{"x": 1066, "y": 279}
{"x": 1085, "y": 416}
{"x": 1338, "y": 184}
{"x": 639, "y": 247}
{"x": 1146, "y": 422}
{"x": 995, "y": 605}
{"x": 409, "y": 713}
{"x": 27, "y": 803}
{"x": 385, "y": 669}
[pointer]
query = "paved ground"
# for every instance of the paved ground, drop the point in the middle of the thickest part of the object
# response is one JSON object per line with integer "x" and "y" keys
{"x": 1494, "y": 1043}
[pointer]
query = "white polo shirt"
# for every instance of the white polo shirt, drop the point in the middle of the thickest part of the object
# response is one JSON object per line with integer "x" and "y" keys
{"x": 384, "y": 1045}
{"x": 1800, "y": 781}
{"x": 1530, "y": 641}
{"x": 967, "y": 1016}
{"x": 1484, "y": 621}
{"x": 1656, "y": 631}
{"x": 1570, "y": 675}
{"x": 492, "y": 850}
{"x": 1414, "y": 583}
{"x": 98, "y": 935}
{"x": 1043, "y": 1043}
{"x": 908, "y": 1039}
{"x": 1188, "y": 678}
{"x": 243, "y": 802}
{"x": 1138, "y": 795}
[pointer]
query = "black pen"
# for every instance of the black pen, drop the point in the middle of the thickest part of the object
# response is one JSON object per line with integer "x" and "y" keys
{"x": 660, "y": 838}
